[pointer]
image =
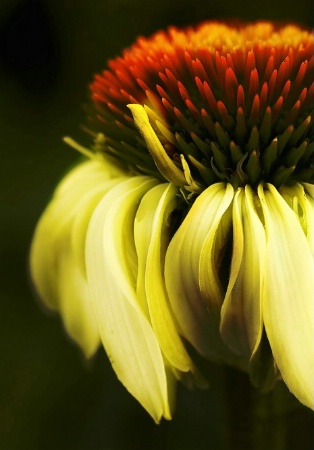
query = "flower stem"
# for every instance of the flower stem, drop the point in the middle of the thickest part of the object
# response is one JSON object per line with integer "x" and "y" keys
{"x": 257, "y": 421}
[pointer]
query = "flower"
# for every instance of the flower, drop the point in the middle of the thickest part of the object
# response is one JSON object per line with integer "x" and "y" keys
{"x": 192, "y": 219}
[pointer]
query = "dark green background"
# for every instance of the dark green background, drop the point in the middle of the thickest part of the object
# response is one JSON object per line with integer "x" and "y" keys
{"x": 50, "y": 398}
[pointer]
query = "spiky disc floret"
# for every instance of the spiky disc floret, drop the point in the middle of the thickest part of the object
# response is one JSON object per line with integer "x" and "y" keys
{"x": 237, "y": 101}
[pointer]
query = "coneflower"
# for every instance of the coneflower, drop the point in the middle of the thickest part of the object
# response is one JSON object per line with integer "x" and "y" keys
{"x": 192, "y": 219}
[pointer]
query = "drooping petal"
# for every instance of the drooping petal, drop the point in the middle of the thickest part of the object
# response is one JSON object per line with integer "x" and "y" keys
{"x": 190, "y": 270}
{"x": 288, "y": 295}
{"x": 302, "y": 204}
{"x": 213, "y": 248}
{"x": 124, "y": 327}
{"x": 152, "y": 235}
{"x": 53, "y": 230}
{"x": 57, "y": 261}
{"x": 308, "y": 212}
{"x": 75, "y": 305}
{"x": 241, "y": 321}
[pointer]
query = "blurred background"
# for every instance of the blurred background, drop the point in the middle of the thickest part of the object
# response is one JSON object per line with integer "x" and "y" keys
{"x": 50, "y": 398}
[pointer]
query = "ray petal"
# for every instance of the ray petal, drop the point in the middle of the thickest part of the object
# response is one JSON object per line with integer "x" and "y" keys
{"x": 302, "y": 203}
{"x": 241, "y": 321}
{"x": 190, "y": 270}
{"x": 125, "y": 330}
{"x": 152, "y": 235}
{"x": 57, "y": 261}
{"x": 288, "y": 295}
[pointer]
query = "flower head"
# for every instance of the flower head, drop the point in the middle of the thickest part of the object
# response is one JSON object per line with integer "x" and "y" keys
{"x": 193, "y": 219}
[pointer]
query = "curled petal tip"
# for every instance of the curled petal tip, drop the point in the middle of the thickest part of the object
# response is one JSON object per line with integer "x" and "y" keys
{"x": 164, "y": 164}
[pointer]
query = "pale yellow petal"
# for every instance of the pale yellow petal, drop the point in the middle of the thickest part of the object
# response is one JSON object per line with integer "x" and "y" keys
{"x": 125, "y": 330}
{"x": 152, "y": 235}
{"x": 53, "y": 230}
{"x": 75, "y": 305}
{"x": 57, "y": 252}
{"x": 302, "y": 204}
{"x": 288, "y": 295}
{"x": 241, "y": 321}
{"x": 188, "y": 269}
{"x": 217, "y": 226}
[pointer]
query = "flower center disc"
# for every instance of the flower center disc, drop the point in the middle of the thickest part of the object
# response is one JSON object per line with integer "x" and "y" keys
{"x": 236, "y": 101}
